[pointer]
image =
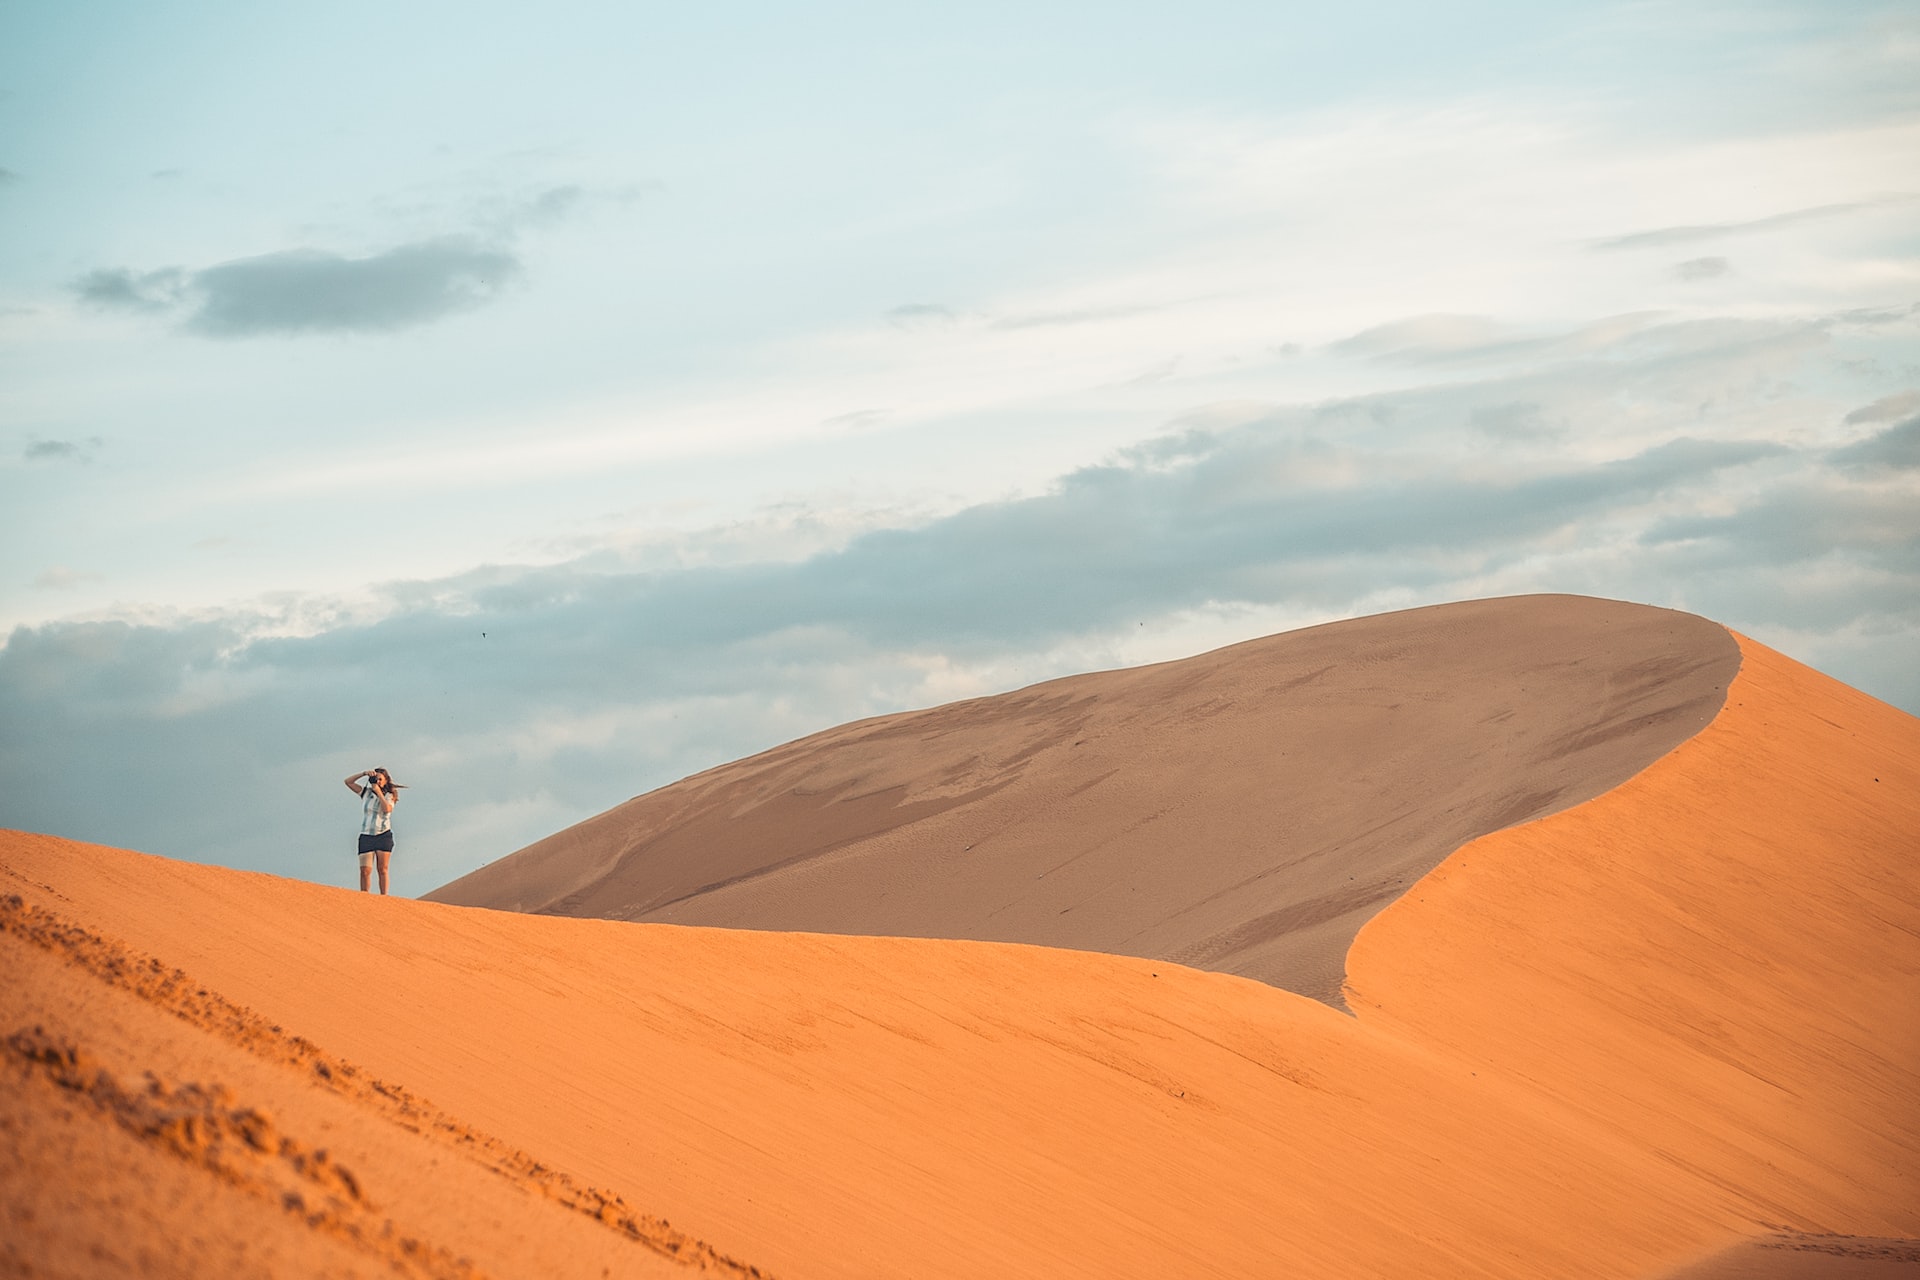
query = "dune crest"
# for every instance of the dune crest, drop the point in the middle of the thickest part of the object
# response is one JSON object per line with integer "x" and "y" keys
{"x": 1715, "y": 962}
{"x": 1244, "y": 811}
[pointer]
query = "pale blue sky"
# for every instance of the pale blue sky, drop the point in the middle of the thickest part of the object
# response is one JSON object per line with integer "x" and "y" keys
{"x": 744, "y": 369}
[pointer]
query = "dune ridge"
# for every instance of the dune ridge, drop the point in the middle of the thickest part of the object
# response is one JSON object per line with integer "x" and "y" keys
{"x": 1245, "y": 811}
{"x": 1591, "y": 1045}
{"x": 1734, "y": 961}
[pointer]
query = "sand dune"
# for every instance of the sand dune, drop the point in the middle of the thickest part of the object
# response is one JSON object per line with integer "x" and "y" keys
{"x": 830, "y": 1106}
{"x": 1718, "y": 962}
{"x": 1618, "y": 1041}
{"x": 1244, "y": 811}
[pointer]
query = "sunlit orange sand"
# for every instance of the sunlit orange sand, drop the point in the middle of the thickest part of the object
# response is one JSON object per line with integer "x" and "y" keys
{"x": 1612, "y": 1042}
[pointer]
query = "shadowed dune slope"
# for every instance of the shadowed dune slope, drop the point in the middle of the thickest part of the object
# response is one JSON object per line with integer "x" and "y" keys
{"x": 1243, "y": 811}
{"x": 1616, "y": 1042}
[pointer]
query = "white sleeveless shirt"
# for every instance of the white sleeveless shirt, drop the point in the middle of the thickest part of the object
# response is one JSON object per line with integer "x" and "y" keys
{"x": 375, "y": 820}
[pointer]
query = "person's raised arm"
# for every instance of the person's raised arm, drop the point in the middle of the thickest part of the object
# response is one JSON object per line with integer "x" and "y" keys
{"x": 353, "y": 781}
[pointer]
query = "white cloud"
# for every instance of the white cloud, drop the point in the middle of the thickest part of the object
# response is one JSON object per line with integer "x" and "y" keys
{"x": 539, "y": 695}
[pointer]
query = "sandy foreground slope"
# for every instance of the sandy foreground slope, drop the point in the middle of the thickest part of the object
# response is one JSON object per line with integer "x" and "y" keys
{"x": 150, "y": 1127}
{"x": 1245, "y": 811}
{"x": 1608, "y": 1043}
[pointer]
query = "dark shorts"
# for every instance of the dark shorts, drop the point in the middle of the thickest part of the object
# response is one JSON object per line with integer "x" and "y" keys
{"x": 383, "y": 841}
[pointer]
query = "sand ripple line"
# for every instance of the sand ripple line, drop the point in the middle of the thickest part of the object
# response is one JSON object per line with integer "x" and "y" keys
{"x": 173, "y": 990}
{"x": 1860, "y": 1248}
{"x": 205, "y": 1126}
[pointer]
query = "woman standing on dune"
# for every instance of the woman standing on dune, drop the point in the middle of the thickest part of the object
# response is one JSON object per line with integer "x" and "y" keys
{"x": 379, "y": 793}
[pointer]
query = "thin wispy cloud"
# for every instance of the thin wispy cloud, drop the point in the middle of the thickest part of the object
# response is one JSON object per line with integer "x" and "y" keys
{"x": 921, "y": 315}
{"x": 1702, "y": 268}
{"x": 1668, "y": 237}
{"x": 550, "y": 207}
{"x": 1886, "y": 408}
{"x": 62, "y": 450}
{"x": 117, "y": 288}
{"x": 62, "y": 578}
{"x": 1158, "y": 373}
{"x": 858, "y": 420}
{"x": 1516, "y": 420}
{"x": 1086, "y": 315}
{"x": 1431, "y": 337}
{"x": 1439, "y": 339}
{"x": 503, "y": 219}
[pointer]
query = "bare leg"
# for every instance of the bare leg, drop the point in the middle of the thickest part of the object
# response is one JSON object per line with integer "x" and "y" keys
{"x": 366, "y": 877}
{"x": 384, "y": 857}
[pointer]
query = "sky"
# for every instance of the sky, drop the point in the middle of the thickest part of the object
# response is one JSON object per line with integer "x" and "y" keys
{"x": 548, "y": 403}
